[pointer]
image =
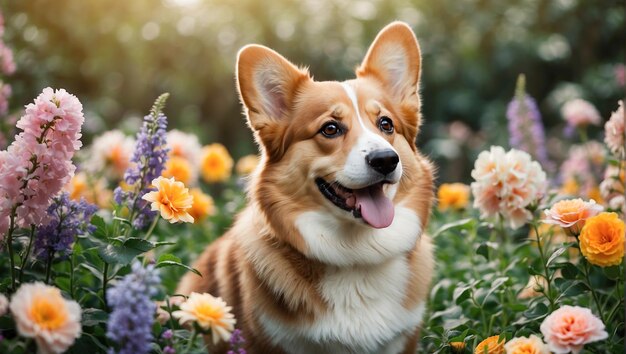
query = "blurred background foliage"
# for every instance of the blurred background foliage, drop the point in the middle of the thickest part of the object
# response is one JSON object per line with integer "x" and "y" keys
{"x": 117, "y": 56}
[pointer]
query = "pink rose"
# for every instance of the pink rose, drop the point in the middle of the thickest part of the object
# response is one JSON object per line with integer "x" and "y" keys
{"x": 569, "y": 328}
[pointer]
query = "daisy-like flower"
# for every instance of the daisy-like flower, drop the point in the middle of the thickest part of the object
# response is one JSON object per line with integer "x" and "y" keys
{"x": 246, "y": 165}
{"x": 524, "y": 345}
{"x": 110, "y": 154}
{"x": 171, "y": 199}
{"x": 507, "y": 183}
{"x": 602, "y": 240}
{"x": 180, "y": 169}
{"x": 202, "y": 207}
{"x": 580, "y": 113}
{"x": 571, "y": 214}
{"x": 453, "y": 196}
{"x": 216, "y": 164}
{"x": 209, "y": 313}
{"x": 612, "y": 187}
{"x": 185, "y": 146}
{"x": 40, "y": 312}
{"x": 491, "y": 345}
{"x": 569, "y": 328}
{"x": 94, "y": 192}
{"x": 614, "y": 132}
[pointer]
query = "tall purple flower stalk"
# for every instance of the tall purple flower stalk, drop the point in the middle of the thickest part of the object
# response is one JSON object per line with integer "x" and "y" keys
{"x": 68, "y": 218}
{"x": 525, "y": 127}
{"x": 148, "y": 161}
{"x": 236, "y": 343}
{"x": 130, "y": 323}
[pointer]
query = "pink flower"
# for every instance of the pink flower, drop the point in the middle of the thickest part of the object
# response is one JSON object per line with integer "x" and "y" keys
{"x": 38, "y": 163}
{"x": 507, "y": 183}
{"x": 615, "y": 134}
{"x": 569, "y": 328}
{"x": 580, "y": 113}
{"x": 7, "y": 65}
{"x": 612, "y": 187}
{"x": 40, "y": 312}
{"x": 5, "y": 93}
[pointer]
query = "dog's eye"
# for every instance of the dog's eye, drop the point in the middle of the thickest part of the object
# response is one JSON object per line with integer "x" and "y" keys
{"x": 385, "y": 125}
{"x": 331, "y": 130}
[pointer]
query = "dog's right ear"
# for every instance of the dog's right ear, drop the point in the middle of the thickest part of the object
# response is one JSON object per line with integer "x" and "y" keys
{"x": 267, "y": 84}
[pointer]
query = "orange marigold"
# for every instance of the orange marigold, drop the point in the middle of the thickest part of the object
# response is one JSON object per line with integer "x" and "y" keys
{"x": 246, "y": 164}
{"x": 179, "y": 168}
{"x": 457, "y": 347}
{"x": 171, "y": 199}
{"x": 602, "y": 240}
{"x": 202, "y": 207}
{"x": 453, "y": 196}
{"x": 491, "y": 345}
{"x": 216, "y": 164}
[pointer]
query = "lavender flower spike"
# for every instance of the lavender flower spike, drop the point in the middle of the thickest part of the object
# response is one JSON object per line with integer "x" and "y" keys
{"x": 130, "y": 323}
{"x": 525, "y": 127}
{"x": 148, "y": 160}
{"x": 68, "y": 218}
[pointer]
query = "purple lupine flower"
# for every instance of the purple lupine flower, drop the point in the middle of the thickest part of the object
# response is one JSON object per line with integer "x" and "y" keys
{"x": 130, "y": 322}
{"x": 68, "y": 218}
{"x": 148, "y": 161}
{"x": 525, "y": 127}
{"x": 169, "y": 350}
{"x": 236, "y": 342}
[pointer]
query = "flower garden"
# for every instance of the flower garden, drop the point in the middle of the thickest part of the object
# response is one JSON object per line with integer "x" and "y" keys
{"x": 95, "y": 235}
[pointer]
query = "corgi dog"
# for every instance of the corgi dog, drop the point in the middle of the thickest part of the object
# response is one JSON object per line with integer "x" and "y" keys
{"x": 330, "y": 255}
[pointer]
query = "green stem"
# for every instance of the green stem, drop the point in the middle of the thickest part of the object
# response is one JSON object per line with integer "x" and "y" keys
{"x": 594, "y": 296}
{"x": 194, "y": 335}
{"x": 10, "y": 247}
{"x": 105, "y": 279}
{"x": 25, "y": 258}
{"x": 545, "y": 267}
{"x": 72, "y": 275}
{"x": 49, "y": 266}
{"x": 152, "y": 226}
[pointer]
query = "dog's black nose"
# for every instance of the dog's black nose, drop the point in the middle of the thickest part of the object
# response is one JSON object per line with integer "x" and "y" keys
{"x": 383, "y": 161}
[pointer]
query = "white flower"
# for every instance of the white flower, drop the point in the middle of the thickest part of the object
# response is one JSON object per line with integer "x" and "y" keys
{"x": 40, "y": 312}
{"x": 110, "y": 153}
{"x": 507, "y": 183}
{"x": 209, "y": 313}
{"x": 615, "y": 134}
{"x": 579, "y": 112}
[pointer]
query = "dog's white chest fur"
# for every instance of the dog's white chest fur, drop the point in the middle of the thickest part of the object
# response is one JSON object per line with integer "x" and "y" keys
{"x": 365, "y": 315}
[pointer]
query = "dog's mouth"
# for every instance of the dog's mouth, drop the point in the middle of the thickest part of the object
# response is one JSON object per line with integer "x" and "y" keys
{"x": 369, "y": 203}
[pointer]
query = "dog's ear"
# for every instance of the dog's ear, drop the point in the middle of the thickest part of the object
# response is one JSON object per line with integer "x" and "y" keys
{"x": 267, "y": 84}
{"x": 394, "y": 60}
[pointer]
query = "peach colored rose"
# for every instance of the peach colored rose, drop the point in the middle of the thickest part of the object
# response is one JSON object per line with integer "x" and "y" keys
{"x": 570, "y": 214}
{"x": 506, "y": 183}
{"x": 40, "y": 312}
{"x": 614, "y": 132}
{"x": 523, "y": 345}
{"x": 579, "y": 112}
{"x": 569, "y": 328}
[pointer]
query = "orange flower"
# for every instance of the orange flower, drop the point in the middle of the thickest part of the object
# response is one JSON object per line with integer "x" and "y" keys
{"x": 209, "y": 313}
{"x": 571, "y": 214}
{"x": 491, "y": 345}
{"x": 457, "y": 347}
{"x": 93, "y": 192}
{"x": 179, "y": 168}
{"x": 202, "y": 207}
{"x": 247, "y": 164}
{"x": 523, "y": 345}
{"x": 453, "y": 196}
{"x": 171, "y": 199}
{"x": 602, "y": 240}
{"x": 216, "y": 164}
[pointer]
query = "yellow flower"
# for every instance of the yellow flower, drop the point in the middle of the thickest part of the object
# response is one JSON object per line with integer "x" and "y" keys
{"x": 491, "y": 345}
{"x": 457, "y": 347}
{"x": 453, "y": 196}
{"x": 203, "y": 205}
{"x": 216, "y": 164}
{"x": 179, "y": 168}
{"x": 247, "y": 164}
{"x": 570, "y": 187}
{"x": 602, "y": 240}
{"x": 40, "y": 312}
{"x": 209, "y": 313}
{"x": 94, "y": 192}
{"x": 523, "y": 345}
{"x": 171, "y": 199}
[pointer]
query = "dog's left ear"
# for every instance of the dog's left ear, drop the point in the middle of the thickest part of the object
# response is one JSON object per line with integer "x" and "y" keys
{"x": 394, "y": 59}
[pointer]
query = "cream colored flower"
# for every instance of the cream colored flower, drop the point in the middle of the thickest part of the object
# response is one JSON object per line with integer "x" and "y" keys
{"x": 569, "y": 328}
{"x": 523, "y": 345}
{"x": 612, "y": 187}
{"x": 507, "y": 183}
{"x": 246, "y": 164}
{"x": 580, "y": 113}
{"x": 185, "y": 146}
{"x": 40, "y": 312}
{"x": 570, "y": 214}
{"x": 209, "y": 313}
{"x": 614, "y": 132}
{"x": 171, "y": 199}
{"x": 110, "y": 153}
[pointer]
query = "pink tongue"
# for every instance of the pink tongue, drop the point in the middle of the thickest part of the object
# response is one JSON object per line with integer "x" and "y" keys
{"x": 376, "y": 209}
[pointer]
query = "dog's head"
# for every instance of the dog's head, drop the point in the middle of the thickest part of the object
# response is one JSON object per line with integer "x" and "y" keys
{"x": 339, "y": 157}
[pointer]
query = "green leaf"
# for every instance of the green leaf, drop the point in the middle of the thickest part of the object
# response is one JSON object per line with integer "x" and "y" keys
{"x": 494, "y": 286}
{"x": 534, "y": 271}
{"x": 118, "y": 254}
{"x": 539, "y": 310}
{"x": 461, "y": 294}
{"x": 559, "y": 251}
{"x": 463, "y": 224}
{"x": 101, "y": 227}
{"x": 612, "y": 273}
{"x": 139, "y": 244}
{"x": 483, "y": 250}
{"x": 93, "y": 317}
{"x": 170, "y": 260}
{"x": 569, "y": 271}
